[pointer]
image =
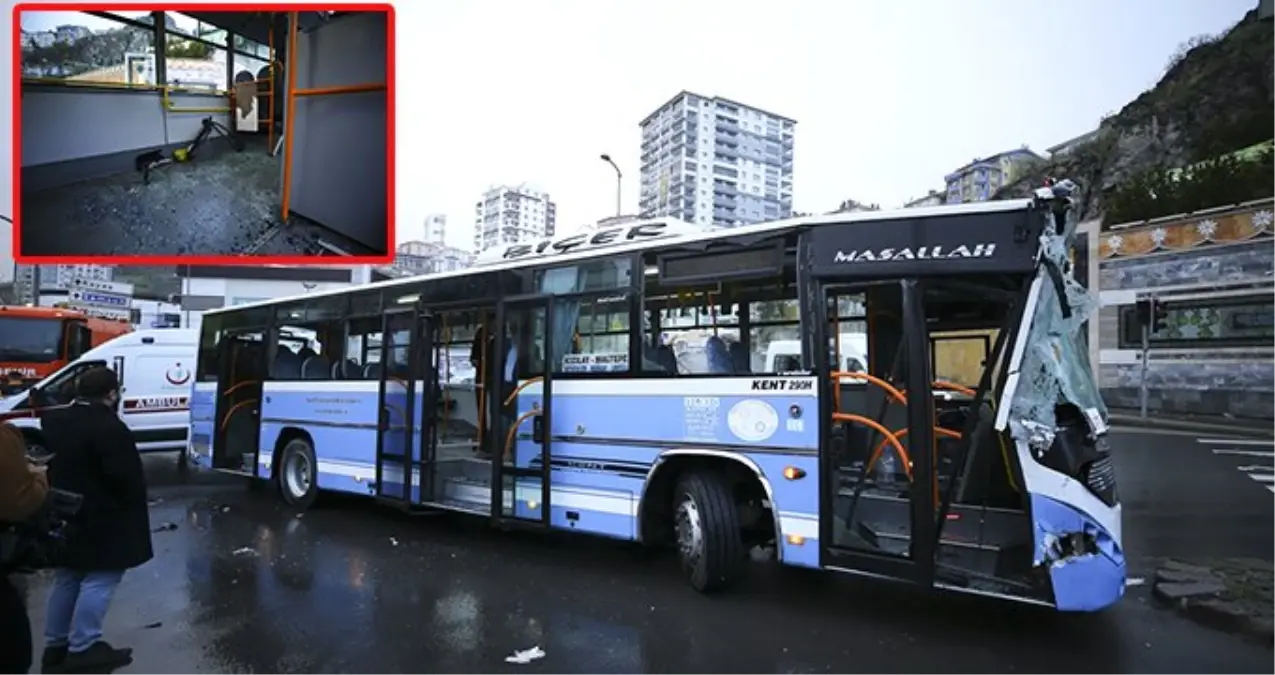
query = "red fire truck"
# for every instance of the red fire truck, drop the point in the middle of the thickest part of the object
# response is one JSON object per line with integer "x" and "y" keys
{"x": 35, "y": 341}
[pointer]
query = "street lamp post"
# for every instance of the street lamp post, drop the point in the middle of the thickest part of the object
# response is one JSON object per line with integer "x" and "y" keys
{"x": 619, "y": 181}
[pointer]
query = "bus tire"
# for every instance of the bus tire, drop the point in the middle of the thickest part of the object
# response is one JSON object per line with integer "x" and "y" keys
{"x": 298, "y": 474}
{"x": 707, "y": 530}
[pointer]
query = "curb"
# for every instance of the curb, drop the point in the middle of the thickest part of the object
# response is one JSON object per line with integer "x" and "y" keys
{"x": 1201, "y": 594}
{"x": 1133, "y": 421}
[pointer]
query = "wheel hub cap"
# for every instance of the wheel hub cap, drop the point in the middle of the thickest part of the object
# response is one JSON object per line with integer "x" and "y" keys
{"x": 690, "y": 531}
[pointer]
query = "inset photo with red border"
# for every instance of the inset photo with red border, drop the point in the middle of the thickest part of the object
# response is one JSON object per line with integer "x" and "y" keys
{"x": 189, "y": 134}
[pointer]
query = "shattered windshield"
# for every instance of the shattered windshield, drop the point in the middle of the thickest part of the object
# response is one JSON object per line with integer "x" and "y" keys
{"x": 1055, "y": 367}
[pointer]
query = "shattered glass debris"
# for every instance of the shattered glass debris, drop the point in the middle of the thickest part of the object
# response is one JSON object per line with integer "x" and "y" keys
{"x": 1055, "y": 366}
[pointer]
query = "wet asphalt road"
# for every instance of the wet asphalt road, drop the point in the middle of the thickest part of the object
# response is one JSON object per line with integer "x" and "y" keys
{"x": 243, "y": 585}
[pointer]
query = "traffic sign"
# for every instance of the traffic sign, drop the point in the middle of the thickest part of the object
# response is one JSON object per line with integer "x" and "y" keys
{"x": 113, "y": 287}
{"x": 110, "y": 313}
{"x": 98, "y": 299}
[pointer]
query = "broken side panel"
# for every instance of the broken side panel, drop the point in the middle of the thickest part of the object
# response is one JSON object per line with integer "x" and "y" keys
{"x": 1058, "y": 422}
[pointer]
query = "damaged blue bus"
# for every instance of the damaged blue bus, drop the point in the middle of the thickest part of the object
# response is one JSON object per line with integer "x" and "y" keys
{"x": 625, "y": 382}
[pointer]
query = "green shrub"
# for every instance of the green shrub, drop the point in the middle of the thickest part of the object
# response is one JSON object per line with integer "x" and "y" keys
{"x": 1230, "y": 179}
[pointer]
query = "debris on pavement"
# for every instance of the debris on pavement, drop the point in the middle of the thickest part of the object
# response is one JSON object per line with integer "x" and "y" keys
{"x": 525, "y": 656}
{"x": 246, "y": 551}
{"x": 1232, "y": 595}
{"x": 155, "y": 502}
{"x": 153, "y": 624}
{"x": 165, "y": 527}
{"x": 393, "y": 541}
{"x": 1134, "y": 581}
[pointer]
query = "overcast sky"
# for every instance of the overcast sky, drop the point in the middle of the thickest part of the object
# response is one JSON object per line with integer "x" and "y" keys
{"x": 888, "y": 95}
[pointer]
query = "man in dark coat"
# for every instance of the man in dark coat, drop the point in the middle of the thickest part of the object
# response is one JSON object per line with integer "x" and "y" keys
{"x": 96, "y": 457}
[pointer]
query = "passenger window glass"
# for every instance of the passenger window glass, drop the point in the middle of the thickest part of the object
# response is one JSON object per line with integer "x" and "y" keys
{"x": 848, "y": 334}
{"x": 600, "y": 342}
{"x": 593, "y": 275}
{"x": 774, "y": 336}
{"x": 702, "y": 335}
{"x": 456, "y": 333}
{"x": 959, "y": 356}
{"x": 313, "y": 350}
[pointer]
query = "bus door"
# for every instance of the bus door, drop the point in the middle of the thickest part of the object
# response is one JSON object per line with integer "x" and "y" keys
{"x": 877, "y": 497}
{"x": 403, "y": 425}
{"x": 241, "y": 359}
{"x": 522, "y": 408}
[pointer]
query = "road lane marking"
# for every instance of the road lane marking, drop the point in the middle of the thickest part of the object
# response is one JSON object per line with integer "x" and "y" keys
{"x": 1234, "y": 441}
{"x": 1243, "y": 453}
{"x": 1262, "y": 477}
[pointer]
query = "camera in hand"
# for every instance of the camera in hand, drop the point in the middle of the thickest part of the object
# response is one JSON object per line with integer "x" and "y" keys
{"x": 38, "y": 542}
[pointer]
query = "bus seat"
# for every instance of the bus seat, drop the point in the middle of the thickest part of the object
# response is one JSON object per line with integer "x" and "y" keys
{"x": 316, "y": 368}
{"x": 666, "y": 358}
{"x": 346, "y": 370}
{"x": 739, "y": 358}
{"x": 306, "y": 352}
{"x": 287, "y": 365}
{"x": 372, "y": 371}
{"x": 718, "y": 356}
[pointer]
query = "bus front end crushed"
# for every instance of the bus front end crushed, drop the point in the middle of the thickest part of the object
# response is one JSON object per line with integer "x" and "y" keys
{"x": 1056, "y": 417}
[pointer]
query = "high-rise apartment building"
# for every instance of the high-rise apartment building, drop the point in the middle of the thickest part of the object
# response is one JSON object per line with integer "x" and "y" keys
{"x": 507, "y": 214}
{"x": 435, "y": 229}
{"x": 713, "y": 161}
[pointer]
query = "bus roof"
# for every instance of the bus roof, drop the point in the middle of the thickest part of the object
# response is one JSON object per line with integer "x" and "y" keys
{"x": 665, "y": 232}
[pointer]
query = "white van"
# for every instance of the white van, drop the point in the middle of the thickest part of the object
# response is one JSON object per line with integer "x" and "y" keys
{"x": 785, "y": 355}
{"x": 155, "y": 368}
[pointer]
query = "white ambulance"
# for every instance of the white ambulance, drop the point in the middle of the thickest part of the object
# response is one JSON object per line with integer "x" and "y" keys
{"x": 155, "y": 368}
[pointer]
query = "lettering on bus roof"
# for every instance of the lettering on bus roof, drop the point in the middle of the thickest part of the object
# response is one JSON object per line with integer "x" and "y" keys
{"x": 1005, "y": 242}
{"x": 601, "y": 238}
{"x": 979, "y": 250}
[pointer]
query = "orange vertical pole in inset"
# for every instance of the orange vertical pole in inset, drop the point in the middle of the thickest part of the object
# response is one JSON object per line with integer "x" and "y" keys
{"x": 274, "y": 77}
{"x": 290, "y": 103}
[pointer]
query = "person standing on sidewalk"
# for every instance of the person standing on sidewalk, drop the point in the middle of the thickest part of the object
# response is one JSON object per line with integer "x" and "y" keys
{"x": 95, "y": 456}
{"x": 23, "y": 489}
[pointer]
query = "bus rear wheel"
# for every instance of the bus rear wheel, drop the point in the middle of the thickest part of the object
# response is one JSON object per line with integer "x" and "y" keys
{"x": 707, "y": 529}
{"x": 298, "y": 474}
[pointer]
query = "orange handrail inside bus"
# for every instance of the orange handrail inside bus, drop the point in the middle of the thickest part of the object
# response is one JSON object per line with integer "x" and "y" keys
{"x": 274, "y": 75}
{"x": 233, "y": 387}
{"x": 890, "y": 438}
{"x": 873, "y": 379}
{"x": 513, "y": 431}
{"x": 225, "y": 419}
{"x": 876, "y": 454}
{"x": 343, "y": 89}
{"x": 522, "y": 386}
{"x": 289, "y": 129}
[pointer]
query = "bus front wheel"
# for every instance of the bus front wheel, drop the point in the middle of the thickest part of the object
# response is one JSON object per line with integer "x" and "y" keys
{"x": 707, "y": 529}
{"x": 298, "y": 474}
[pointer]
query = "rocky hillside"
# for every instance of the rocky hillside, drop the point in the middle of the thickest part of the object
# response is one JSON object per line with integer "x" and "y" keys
{"x": 1215, "y": 98}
